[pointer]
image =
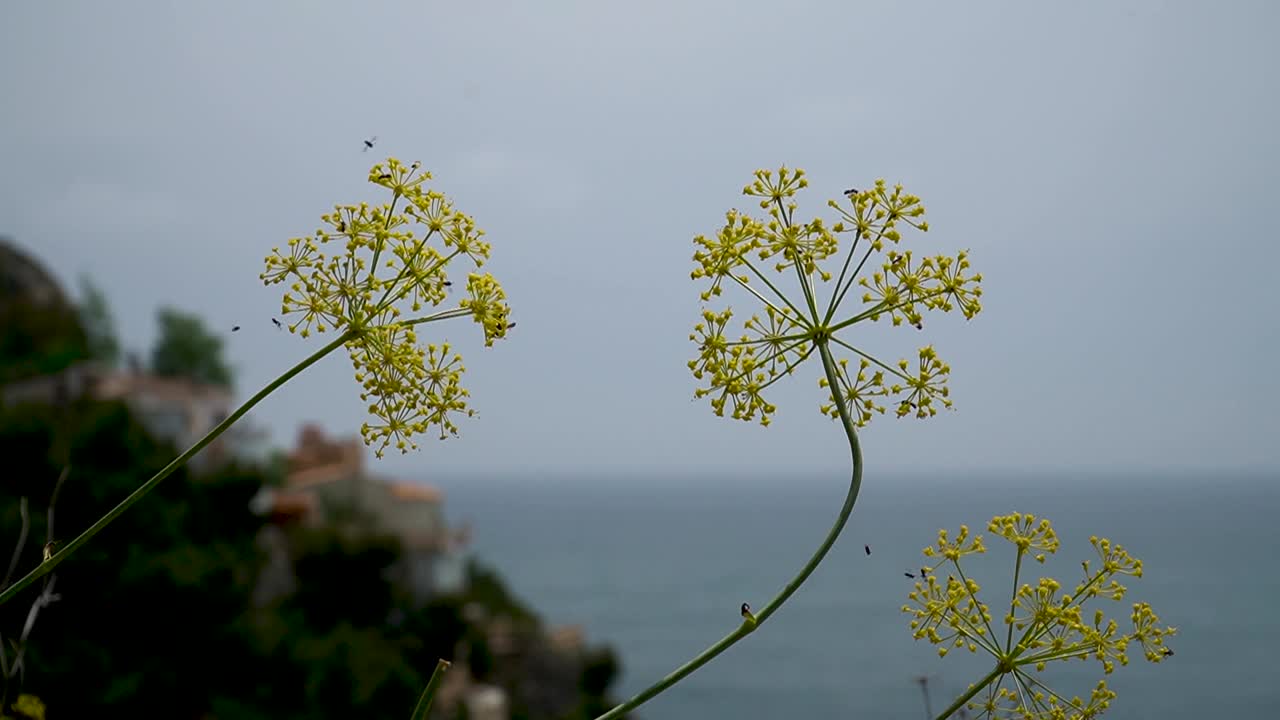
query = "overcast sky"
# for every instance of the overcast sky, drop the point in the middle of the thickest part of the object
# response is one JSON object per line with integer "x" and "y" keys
{"x": 1112, "y": 168}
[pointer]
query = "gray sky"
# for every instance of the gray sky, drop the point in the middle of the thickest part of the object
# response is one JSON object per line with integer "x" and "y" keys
{"x": 1109, "y": 165}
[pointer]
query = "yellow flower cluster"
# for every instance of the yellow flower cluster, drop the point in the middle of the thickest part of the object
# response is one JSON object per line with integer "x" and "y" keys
{"x": 30, "y": 706}
{"x": 735, "y": 372}
{"x": 387, "y": 259}
{"x": 1042, "y": 624}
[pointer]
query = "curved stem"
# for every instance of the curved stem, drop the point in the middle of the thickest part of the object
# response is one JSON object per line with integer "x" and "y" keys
{"x": 855, "y": 484}
{"x": 56, "y": 559}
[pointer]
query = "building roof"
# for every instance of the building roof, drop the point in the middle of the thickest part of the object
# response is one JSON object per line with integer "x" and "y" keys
{"x": 414, "y": 492}
{"x": 113, "y": 385}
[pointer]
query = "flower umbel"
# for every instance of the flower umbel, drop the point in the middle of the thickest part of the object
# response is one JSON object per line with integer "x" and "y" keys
{"x": 736, "y": 371}
{"x": 386, "y": 260}
{"x": 1042, "y": 624}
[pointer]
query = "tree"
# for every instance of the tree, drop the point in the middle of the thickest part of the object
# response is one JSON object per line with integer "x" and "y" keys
{"x": 157, "y": 617}
{"x": 99, "y": 325}
{"x": 187, "y": 349}
{"x": 39, "y": 331}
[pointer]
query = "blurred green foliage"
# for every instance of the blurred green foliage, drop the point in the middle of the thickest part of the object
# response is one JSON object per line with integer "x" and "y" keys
{"x": 157, "y": 616}
{"x": 186, "y": 348}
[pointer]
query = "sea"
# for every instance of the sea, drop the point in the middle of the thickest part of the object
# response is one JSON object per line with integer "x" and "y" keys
{"x": 658, "y": 568}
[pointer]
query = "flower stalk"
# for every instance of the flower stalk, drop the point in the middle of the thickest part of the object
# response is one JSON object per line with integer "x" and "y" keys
{"x": 734, "y": 373}
{"x": 408, "y": 387}
{"x": 747, "y": 627}
{"x": 55, "y": 559}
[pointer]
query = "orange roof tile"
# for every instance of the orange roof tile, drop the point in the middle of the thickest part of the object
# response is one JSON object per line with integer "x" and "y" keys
{"x": 415, "y": 492}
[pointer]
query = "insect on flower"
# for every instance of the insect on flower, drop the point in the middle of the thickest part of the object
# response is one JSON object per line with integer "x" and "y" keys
{"x": 737, "y": 370}
{"x": 366, "y": 266}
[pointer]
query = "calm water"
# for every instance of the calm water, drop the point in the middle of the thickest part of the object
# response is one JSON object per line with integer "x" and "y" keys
{"x": 659, "y": 569}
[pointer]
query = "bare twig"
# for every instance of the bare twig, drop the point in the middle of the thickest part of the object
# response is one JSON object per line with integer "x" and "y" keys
{"x": 923, "y": 680}
{"x": 46, "y": 597}
{"x": 22, "y": 542}
{"x": 53, "y": 500}
{"x": 4, "y": 674}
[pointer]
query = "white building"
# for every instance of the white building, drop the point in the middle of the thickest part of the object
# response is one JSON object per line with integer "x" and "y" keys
{"x": 326, "y": 484}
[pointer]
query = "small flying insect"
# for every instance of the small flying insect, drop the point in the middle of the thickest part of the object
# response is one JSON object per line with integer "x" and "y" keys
{"x": 867, "y": 548}
{"x": 279, "y": 325}
{"x": 1168, "y": 652}
{"x": 510, "y": 325}
{"x": 235, "y": 328}
{"x": 851, "y": 192}
{"x": 368, "y": 144}
{"x": 913, "y": 577}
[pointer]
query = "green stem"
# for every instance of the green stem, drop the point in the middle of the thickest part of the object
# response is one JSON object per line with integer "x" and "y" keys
{"x": 989, "y": 642}
{"x": 836, "y": 295}
{"x": 429, "y": 694}
{"x": 973, "y": 690}
{"x": 1013, "y": 600}
{"x": 377, "y": 251}
{"x": 881, "y": 309}
{"x": 855, "y": 484}
{"x": 848, "y": 285}
{"x": 442, "y": 315}
{"x": 48, "y": 565}
{"x": 1035, "y": 631}
{"x": 759, "y": 297}
{"x": 891, "y": 370}
{"x": 785, "y": 371}
{"x": 799, "y": 316}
